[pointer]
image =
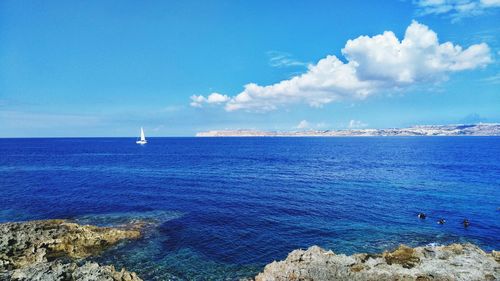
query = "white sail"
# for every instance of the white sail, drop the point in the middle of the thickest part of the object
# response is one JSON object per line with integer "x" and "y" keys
{"x": 143, "y": 138}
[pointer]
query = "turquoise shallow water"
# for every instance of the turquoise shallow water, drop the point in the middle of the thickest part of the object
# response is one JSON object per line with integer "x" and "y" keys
{"x": 224, "y": 207}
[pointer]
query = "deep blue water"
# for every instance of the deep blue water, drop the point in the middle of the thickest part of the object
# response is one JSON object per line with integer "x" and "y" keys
{"x": 227, "y": 206}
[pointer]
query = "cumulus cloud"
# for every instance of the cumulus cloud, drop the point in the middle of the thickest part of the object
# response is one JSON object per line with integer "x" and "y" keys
{"x": 303, "y": 124}
{"x": 456, "y": 9}
{"x": 372, "y": 64}
{"x": 213, "y": 98}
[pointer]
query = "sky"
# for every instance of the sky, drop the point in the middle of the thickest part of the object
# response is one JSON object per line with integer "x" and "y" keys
{"x": 106, "y": 68}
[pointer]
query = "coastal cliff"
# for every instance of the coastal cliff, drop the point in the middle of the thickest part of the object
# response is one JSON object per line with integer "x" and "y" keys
{"x": 453, "y": 262}
{"x": 54, "y": 249}
{"x": 483, "y": 129}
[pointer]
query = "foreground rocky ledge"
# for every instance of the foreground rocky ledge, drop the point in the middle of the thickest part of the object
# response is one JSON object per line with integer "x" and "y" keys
{"x": 56, "y": 249}
{"x": 48, "y": 249}
{"x": 453, "y": 262}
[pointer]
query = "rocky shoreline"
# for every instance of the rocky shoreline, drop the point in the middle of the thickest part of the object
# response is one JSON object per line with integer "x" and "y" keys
{"x": 453, "y": 262}
{"x": 56, "y": 249}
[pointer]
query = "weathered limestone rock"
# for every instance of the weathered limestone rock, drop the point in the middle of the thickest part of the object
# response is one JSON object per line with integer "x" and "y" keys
{"x": 71, "y": 271}
{"x": 454, "y": 262}
{"x": 34, "y": 250}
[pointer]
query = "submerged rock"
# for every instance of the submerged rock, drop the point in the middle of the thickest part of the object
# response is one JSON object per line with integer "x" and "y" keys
{"x": 45, "y": 250}
{"x": 453, "y": 262}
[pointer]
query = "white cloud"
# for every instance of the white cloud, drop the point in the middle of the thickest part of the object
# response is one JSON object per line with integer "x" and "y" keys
{"x": 213, "y": 98}
{"x": 373, "y": 64}
{"x": 281, "y": 59}
{"x": 303, "y": 124}
{"x": 489, "y": 3}
{"x": 353, "y": 124}
{"x": 217, "y": 98}
{"x": 456, "y": 9}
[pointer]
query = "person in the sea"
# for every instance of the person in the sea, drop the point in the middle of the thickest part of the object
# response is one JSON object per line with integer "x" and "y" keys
{"x": 441, "y": 221}
{"x": 466, "y": 223}
{"x": 421, "y": 216}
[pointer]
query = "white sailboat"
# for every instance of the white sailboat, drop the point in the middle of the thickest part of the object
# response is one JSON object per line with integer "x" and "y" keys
{"x": 143, "y": 138}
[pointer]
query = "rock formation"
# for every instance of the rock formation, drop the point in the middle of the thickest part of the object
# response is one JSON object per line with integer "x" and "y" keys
{"x": 454, "y": 262}
{"x": 51, "y": 271}
{"x": 46, "y": 250}
{"x": 56, "y": 250}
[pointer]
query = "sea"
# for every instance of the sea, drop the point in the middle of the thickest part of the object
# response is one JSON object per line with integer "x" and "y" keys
{"x": 222, "y": 208}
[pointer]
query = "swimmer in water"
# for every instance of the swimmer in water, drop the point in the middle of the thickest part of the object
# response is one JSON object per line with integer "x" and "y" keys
{"x": 421, "y": 216}
{"x": 441, "y": 221}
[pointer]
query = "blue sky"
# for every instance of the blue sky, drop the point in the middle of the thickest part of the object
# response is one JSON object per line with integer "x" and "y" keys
{"x": 105, "y": 68}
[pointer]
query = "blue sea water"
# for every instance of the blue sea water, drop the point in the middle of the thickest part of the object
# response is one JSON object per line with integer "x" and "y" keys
{"x": 227, "y": 206}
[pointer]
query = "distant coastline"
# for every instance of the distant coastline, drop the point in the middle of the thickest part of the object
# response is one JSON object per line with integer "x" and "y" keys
{"x": 482, "y": 129}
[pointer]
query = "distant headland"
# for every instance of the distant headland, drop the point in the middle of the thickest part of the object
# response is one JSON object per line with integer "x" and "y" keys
{"x": 481, "y": 129}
